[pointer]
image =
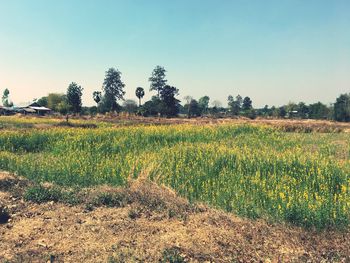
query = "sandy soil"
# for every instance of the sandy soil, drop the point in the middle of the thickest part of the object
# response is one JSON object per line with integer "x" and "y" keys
{"x": 138, "y": 232}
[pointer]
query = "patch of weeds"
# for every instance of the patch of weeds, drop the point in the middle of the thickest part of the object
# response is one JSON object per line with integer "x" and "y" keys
{"x": 40, "y": 194}
{"x": 76, "y": 125}
{"x": 134, "y": 213}
{"x": 111, "y": 199}
{"x": 4, "y": 215}
{"x": 71, "y": 197}
{"x": 89, "y": 207}
{"x": 172, "y": 255}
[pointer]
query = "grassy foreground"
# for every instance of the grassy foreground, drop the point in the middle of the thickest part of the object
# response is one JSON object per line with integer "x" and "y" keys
{"x": 252, "y": 170}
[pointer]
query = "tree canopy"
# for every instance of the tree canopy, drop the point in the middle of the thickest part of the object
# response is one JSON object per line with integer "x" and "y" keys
{"x": 113, "y": 88}
{"x": 140, "y": 92}
{"x": 5, "y": 99}
{"x": 170, "y": 105}
{"x": 157, "y": 79}
{"x": 97, "y": 96}
{"x": 342, "y": 108}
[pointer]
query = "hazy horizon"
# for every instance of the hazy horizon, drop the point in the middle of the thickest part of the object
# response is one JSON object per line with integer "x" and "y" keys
{"x": 272, "y": 51}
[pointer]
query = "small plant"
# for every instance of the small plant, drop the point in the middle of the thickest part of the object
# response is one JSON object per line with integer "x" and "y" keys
{"x": 89, "y": 207}
{"x": 40, "y": 194}
{"x": 172, "y": 255}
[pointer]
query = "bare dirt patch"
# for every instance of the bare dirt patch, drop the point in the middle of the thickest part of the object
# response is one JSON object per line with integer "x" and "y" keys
{"x": 152, "y": 225}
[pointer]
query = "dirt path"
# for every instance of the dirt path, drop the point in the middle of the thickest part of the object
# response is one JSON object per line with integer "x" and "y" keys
{"x": 138, "y": 233}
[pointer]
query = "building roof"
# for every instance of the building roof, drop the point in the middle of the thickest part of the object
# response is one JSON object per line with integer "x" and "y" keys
{"x": 29, "y": 110}
{"x": 39, "y": 108}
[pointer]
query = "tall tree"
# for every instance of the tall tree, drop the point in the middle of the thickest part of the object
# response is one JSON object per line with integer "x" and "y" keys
{"x": 266, "y": 111}
{"x": 5, "y": 99}
{"x": 318, "y": 111}
{"x": 140, "y": 92}
{"x": 234, "y": 105}
{"x": 204, "y": 104}
{"x": 247, "y": 104}
{"x": 113, "y": 88}
{"x": 239, "y": 101}
{"x": 193, "y": 108}
{"x": 157, "y": 79}
{"x": 170, "y": 105}
{"x": 303, "y": 110}
{"x": 342, "y": 108}
{"x": 282, "y": 112}
{"x": 97, "y": 95}
{"x": 74, "y": 93}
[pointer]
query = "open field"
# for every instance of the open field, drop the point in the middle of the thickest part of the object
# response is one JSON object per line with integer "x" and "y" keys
{"x": 286, "y": 173}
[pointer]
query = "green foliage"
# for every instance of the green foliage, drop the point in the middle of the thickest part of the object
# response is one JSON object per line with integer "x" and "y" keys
{"x": 235, "y": 105}
{"x": 57, "y": 102}
{"x": 152, "y": 107}
{"x": 204, "y": 104}
{"x": 192, "y": 108}
{"x": 281, "y": 112}
{"x": 342, "y": 108}
{"x": 169, "y": 104}
{"x": 247, "y": 104}
{"x": 108, "y": 104}
{"x": 318, "y": 111}
{"x": 40, "y": 194}
{"x": 172, "y": 255}
{"x": 43, "y": 101}
{"x": 74, "y": 93}
{"x": 303, "y": 110}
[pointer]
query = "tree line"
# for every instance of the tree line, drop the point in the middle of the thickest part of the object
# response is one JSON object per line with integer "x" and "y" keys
{"x": 165, "y": 103}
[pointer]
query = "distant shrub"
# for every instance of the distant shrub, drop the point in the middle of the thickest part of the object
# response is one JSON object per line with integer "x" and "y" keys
{"x": 172, "y": 255}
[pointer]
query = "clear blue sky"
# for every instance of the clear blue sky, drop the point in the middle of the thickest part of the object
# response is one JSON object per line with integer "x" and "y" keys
{"x": 273, "y": 51}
